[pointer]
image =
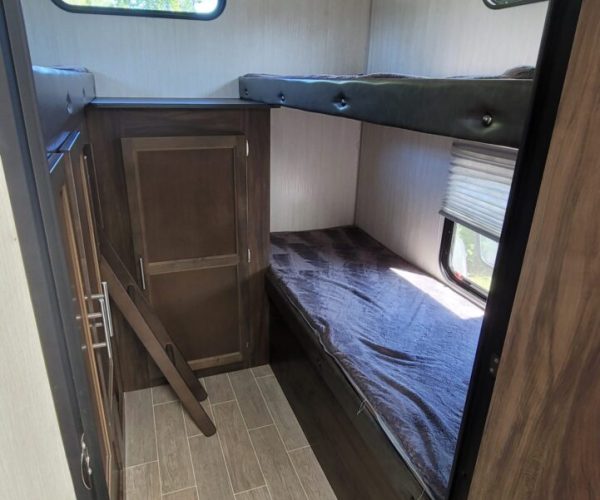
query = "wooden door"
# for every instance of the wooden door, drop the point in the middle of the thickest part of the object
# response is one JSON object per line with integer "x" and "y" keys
{"x": 542, "y": 438}
{"x": 188, "y": 205}
{"x": 71, "y": 190}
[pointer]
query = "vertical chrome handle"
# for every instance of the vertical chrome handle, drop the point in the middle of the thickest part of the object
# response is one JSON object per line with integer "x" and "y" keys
{"x": 104, "y": 285}
{"x": 105, "y": 313}
{"x": 142, "y": 274}
{"x": 107, "y": 328}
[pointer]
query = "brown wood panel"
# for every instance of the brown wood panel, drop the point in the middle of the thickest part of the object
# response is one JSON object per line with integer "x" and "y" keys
{"x": 107, "y": 127}
{"x": 188, "y": 206}
{"x": 257, "y": 128}
{"x": 541, "y": 436}
{"x": 200, "y": 309}
{"x": 186, "y": 197}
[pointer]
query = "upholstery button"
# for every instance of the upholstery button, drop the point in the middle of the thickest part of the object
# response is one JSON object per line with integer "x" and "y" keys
{"x": 282, "y": 97}
{"x": 487, "y": 120}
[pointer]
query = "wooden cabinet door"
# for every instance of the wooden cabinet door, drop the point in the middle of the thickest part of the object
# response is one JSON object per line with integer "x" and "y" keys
{"x": 90, "y": 297}
{"x": 188, "y": 206}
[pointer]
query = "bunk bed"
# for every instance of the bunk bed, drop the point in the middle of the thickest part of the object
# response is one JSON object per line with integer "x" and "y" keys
{"x": 404, "y": 342}
{"x": 490, "y": 109}
{"x": 397, "y": 344}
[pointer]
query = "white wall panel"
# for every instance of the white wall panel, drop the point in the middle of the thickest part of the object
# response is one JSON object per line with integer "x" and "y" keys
{"x": 402, "y": 175}
{"x": 314, "y": 176}
{"x": 402, "y": 181}
{"x": 453, "y": 37}
{"x": 33, "y": 463}
{"x": 146, "y": 57}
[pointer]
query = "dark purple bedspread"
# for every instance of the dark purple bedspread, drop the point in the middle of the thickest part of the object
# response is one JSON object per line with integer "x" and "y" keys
{"x": 406, "y": 341}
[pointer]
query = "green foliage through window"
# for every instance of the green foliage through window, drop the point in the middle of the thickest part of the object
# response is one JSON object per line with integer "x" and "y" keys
{"x": 472, "y": 257}
{"x": 202, "y": 9}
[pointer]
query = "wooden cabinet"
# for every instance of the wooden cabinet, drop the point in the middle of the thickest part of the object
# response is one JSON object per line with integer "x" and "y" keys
{"x": 184, "y": 186}
{"x": 189, "y": 217}
{"x": 90, "y": 297}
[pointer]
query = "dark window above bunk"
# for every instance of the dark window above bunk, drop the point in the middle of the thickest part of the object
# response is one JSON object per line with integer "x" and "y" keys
{"x": 502, "y": 4}
{"x": 185, "y": 9}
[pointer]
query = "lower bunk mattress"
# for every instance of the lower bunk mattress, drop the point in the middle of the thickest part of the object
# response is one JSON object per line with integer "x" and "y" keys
{"x": 405, "y": 341}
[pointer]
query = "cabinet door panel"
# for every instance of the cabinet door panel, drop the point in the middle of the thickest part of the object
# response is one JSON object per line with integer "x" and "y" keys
{"x": 188, "y": 201}
{"x": 203, "y": 307}
{"x": 188, "y": 204}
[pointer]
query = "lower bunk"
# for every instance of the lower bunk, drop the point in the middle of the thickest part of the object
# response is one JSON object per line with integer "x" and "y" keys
{"x": 395, "y": 349}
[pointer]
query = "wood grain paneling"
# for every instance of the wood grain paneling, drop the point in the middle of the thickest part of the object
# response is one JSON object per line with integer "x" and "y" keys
{"x": 219, "y": 388}
{"x": 310, "y": 473}
{"x": 142, "y": 482}
{"x": 252, "y": 404}
{"x": 209, "y": 468}
{"x": 107, "y": 127}
{"x": 239, "y": 454}
{"x": 291, "y": 433}
{"x": 175, "y": 462}
{"x": 257, "y": 494}
{"x": 188, "y": 494}
{"x": 313, "y": 186}
{"x": 201, "y": 180}
{"x": 201, "y": 310}
{"x": 276, "y": 465}
{"x": 541, "y": 436}
{"x": 140, "y": 439}
{"x": 402, "y": 174}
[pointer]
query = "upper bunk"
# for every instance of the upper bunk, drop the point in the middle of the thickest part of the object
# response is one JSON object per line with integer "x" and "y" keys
{"x": 486, "y": 109}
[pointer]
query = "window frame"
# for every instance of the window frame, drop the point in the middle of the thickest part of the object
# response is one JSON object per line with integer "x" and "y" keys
{"x": 117, "y": 11}
{"x": 492, "y": 5}
{"x": 472, "y": 290}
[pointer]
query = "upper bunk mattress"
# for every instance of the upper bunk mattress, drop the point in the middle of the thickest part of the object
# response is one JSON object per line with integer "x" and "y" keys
{"x": 404, "y": 340}
{"x": 485, "y": 109}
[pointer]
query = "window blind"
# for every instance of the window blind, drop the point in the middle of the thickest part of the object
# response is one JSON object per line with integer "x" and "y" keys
{"x": 478, "y": 186}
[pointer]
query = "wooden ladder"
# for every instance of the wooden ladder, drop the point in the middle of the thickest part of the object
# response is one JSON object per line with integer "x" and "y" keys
{"x": 140, "y": 315}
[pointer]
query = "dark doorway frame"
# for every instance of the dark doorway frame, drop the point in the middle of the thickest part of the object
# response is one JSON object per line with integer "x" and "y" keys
{"x": 27, "y": 177}
{"x": 553, "y": 61}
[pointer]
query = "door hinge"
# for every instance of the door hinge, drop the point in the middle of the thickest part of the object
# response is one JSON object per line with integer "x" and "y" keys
{"x": 247, "y": 148}
{"x": 249, "y": 256}
{"x": 494, "y": 365}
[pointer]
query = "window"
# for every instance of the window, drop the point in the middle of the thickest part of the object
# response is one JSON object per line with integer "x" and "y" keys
{"x": 185, "y": 9}
{"x": 474, "y": 207}
{"x": 471, "y": 258}
{"x": 501, "y": 4}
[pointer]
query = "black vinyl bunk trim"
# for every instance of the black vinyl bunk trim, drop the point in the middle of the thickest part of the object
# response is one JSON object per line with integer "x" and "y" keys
{"x": 489, "y": 110}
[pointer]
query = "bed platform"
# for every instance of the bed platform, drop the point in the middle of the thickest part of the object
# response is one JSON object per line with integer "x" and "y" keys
{"x": 399, "y": 346}
{"x": 486, "y": 109}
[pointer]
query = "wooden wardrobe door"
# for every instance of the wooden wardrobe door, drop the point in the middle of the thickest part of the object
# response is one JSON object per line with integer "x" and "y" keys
{"x": 95, "y": 340}
{"x": 188, "y": 205}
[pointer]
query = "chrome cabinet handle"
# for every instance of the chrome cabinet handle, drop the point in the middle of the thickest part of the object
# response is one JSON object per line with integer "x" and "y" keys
{"x": 104, "y": 285}
{"x": 142, "y": 273}
{"x": 105, "y": 314}
{"x": 106, "y": 323}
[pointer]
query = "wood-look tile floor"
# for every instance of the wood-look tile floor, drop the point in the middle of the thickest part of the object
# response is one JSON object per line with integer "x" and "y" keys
{"x": 258, "y": 453}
